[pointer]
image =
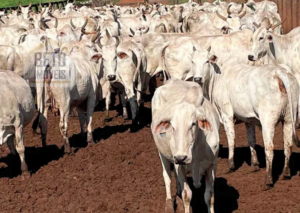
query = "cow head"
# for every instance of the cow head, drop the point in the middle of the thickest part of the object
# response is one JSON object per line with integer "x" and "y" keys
{"x": 184, "y": 132}
{"x": 25, "y": 10}
{"x": 51, "y": 40}
{"x": 203, "y": 64}
{"x": 262, "y": 42}
{"x": 109, "y": 57}
{"x": 234, "y": 22}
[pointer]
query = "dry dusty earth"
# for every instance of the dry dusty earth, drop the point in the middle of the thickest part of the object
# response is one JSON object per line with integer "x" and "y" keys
{"x": 122, "y": 173}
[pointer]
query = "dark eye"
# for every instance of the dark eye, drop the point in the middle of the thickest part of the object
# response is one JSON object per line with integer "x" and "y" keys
{"x": 194, "y": 124}
{"x": 261, "y": 38}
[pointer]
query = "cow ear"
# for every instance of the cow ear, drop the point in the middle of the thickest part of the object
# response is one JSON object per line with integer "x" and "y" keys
{"x": 270, "y": 38}
{"x": 204, "y": 125}
{"x": 213, "y": 59}
{"x": 96, "y": 58}
{"x": 122, "y": 55}
{"x": 162, "y": 127}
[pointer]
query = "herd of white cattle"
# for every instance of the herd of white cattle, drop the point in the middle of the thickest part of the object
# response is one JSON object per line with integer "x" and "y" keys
{"x": 222, "y": 63}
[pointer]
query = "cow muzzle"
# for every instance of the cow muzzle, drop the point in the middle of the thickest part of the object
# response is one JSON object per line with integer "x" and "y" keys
{"x": 180, "y": 159}
{"x": 111, "y": 77}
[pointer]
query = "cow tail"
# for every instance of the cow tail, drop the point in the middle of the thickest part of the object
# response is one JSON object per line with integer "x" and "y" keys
{"x": 285, "y": 79}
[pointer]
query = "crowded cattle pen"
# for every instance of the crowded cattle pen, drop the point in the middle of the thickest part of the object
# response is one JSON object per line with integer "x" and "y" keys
{"x": 190, "y": 107}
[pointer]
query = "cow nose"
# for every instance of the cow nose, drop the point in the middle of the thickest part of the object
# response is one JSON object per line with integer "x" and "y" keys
{"x": 198, "y": 80}
{"x": 111, "y": 77}
{"x": 251, "y": 57}
{"x": 56, "y": 50}
{"x": 179, "y": 159}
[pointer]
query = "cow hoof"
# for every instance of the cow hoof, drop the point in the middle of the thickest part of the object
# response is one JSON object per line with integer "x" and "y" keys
{"x": 285, "y": 177}
{"x": 255, "y": 168}
{"x": 267, "y": 187}
{"x": 91, "y": 143}
{"x": 169, "y": 206}
{"x": 67, "y": 149}
{"x": 26, "y": 175}
{"x": 229, "y": 170}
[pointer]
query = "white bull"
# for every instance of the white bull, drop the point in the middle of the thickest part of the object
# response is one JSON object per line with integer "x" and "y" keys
{"x": 16, "y": 112}
{"x": 257, "y": 95}
{"x": 185, "y": 128}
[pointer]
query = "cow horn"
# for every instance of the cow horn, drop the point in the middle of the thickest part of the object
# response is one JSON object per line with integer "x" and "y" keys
{"x": 117, "y": 40}
{"x": 220, "y": 16}
{"x": 85, "y": 23}
{"x": 256, "y": 25}
{"x": 276, "y": 25}
{"x": 21, "y": 38}
{"x": 147, "y": 30}
{"x": 242, "y": 8}
{"x": 72, "y": 24}
{"x": 99, "y": 43}
{"x": 242, "y": 15}
{"x": 20, "y": 5}
{"x": 94, "y": 38}
{"x": 228, "y": 9}
{"x": 151, "y": 10}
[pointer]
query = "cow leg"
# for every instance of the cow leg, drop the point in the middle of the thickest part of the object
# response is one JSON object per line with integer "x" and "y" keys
{"x": 288, "y": 143}
{"x": 166, "y": 164}
{"x": 21, "y": 151}
{"x": 251, "y": 141}
{"x": 107, "y": 102}
{"x": 43, "y": 124}
{"x": 82, "y": 119}
{"x": 63, "y": 125}
{"x": 268, "y": 135}
{"x": 209, "y": 188}
{"x": 89, "y": 119}
{"x": 229, "y": 128}
{"x": 186, "y": 193}
{"x": 124, "y": 104}
{"x": 134, "y": 109}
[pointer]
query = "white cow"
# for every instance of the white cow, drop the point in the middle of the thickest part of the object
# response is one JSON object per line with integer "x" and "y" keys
{"x": 16, "y": 112}
{"x": 257, "y": 95}
{"x": 185, "y": 128}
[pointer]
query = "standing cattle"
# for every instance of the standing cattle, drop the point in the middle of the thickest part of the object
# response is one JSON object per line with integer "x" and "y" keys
{"x": 257, "y": 95}
{"x": 16, "y": 112}
{"x": 185, "y": 128}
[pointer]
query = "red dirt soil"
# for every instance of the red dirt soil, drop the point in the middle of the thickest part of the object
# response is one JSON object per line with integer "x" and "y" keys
{"x": 122, "y": 173}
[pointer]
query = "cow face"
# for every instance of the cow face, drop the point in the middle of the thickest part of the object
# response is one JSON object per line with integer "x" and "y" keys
{"x": 53, "y": 39}
{"x": 25, "y": 11}
{"x": 185, "y": 121}
{"x": 260, "y": 44}
{"x": 202, "y": 65}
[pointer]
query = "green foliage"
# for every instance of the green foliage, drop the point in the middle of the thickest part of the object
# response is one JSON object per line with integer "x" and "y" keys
{"x": 14, "y": 3}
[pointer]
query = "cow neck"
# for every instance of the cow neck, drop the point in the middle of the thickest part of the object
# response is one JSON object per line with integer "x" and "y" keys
{"x": 282, "y": 46}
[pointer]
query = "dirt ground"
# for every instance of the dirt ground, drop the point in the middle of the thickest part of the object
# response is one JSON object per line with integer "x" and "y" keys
{"x": 122, "y": 173}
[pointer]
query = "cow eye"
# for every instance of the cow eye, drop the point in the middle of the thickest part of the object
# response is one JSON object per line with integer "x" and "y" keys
{"x": 194, "y": 124}
{"x": 261, "y": 38}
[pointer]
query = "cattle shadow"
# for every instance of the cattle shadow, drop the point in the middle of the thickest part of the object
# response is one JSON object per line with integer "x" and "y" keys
{"x": 226, "y": 197}
{"x": 35, "y": 157}
{"x": 242, "y": 155}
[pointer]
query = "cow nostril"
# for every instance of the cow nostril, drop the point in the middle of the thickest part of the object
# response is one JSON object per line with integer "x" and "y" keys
{"x": 180, "y": 159}
{"x": 56, "y": 50}
{"x": 111, "y": 77}
{"x": 251, "y": 57}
